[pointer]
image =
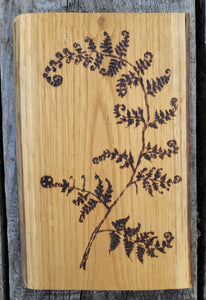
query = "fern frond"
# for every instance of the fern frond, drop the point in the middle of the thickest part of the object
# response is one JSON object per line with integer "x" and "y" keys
{"x": 106, "y": 45}
{"x": 121, "y": 48}
{"x": 140, "y": 253}
{"x": 114, "y": 66}
{"x": 128, "y": 245}
{"x": 99, "y": 188}
{"x": 125, "y": 159}
{"x": 108, "y": 194}
{"x": 143, "y": 64}
{"x": 163, "y": 117}
{"x": 154, "y": 180}
{"x": 87, "y": 208}
{"x": 156, "y": 85}
{"x": 119, "y": 225}
{"x": 130, "y": 117}
{"x": 127, "y": 80}
{"x": 114, "y": 241}
{"x": 91, "y": 44}
{"x": 155, "y": 152}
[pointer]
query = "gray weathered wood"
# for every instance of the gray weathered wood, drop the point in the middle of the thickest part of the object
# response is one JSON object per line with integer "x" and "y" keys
{"x": 3, "y": 227}
{"x": 3, "y": 230}
{"x": 10, "y": 9}
{"x": 201, "y": 145}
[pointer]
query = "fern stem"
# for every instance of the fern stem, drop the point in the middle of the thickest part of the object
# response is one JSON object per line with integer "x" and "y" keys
{"x": 145, "y": 98}
{"x": 134, "y": 169}
{"x": 91, "y": 240}
{"x": 143, "y": 131}
{"x": 117, "y": 57}
{"x": 95, "y": 51}
{"x": 97, "y": 228}
{"x": 106, "y": 230}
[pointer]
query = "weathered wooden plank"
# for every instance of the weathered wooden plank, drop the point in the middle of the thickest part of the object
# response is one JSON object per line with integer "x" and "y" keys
{"x": 2, "y": 200}
{"x": 4, "y": 282}
{"x": 42, "y": 212}
{"x": 12, "y": 9}
{"x": 3, "y": 234}
{"x": 201, "y": 146}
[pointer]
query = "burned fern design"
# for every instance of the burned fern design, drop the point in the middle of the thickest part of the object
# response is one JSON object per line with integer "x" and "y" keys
{"x": 155, "y": 151}
{"x": 134, "y": 240}
{"x": 125, "y": 160}
{"x": 106, "y": 45}
{"x": 110, "y": 61}
{"x": 134, "y": 78}
{"x": 155, "y": 180}
{"x": 154, "y": 86}
{"x": 84, "y": 199}
{"x": 143, "y": 64}
{"x": 125, "y": 81}
{"x": 130, "y": 117}
{"x": 99, "y": 191}
{"x": 121, "y": 48}
{"x": 162, "y": 117}
{"x": 91, "y": 45}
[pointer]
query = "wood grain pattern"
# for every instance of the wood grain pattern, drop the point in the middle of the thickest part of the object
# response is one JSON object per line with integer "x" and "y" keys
{"x": 9, "y": 11}
{"x": 62, "y": 127}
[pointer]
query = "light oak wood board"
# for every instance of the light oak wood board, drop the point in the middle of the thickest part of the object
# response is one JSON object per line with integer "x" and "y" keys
{"x": 63, "y": 126}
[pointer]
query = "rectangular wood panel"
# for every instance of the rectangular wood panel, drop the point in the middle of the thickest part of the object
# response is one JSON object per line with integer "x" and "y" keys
{"x": 102, "y": 150}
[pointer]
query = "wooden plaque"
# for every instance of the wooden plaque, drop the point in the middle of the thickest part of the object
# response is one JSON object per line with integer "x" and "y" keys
{"x": 102, "y": 150}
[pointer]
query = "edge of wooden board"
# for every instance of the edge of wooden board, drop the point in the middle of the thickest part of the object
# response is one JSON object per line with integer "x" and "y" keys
{"x": 17, "y": 92}
{"x": 187, "y": 36}
{"x": 16, "y": 27}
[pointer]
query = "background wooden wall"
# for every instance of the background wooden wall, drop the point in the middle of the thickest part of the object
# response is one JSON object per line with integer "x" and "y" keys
{"x": 11, "y": 284}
